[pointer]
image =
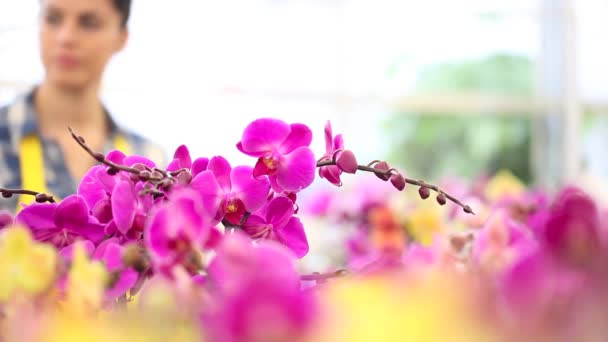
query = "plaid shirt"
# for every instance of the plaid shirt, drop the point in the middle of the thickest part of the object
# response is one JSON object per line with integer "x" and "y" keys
{"x": 15, "y": 124}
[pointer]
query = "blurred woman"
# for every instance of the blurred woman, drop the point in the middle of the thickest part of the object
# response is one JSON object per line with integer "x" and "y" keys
{"x": 77, "y": 40}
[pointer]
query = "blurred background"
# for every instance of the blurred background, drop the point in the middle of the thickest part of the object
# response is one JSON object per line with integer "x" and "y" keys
{"x": 459, "y": 88}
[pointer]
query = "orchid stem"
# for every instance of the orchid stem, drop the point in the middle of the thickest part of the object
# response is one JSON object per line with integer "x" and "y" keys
{"x": 466, "y": 208}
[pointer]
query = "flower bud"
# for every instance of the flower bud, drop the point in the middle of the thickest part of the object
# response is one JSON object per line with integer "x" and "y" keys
{"x": 144, "y": 175}
{"x": 346, "y": 161}
{"x": 112, "y": 171}
{"x": 184, "y": 176}
{"x": 41, "y": 198}
{"x": 441, "y": 199}
{"x": 384, "y": 167}
{"x": 424, "y": 192}
{"x": 398, "y": 181}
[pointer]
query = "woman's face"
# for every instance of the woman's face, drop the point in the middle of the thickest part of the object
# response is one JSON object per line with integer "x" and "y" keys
{"x": 77, "y": 39}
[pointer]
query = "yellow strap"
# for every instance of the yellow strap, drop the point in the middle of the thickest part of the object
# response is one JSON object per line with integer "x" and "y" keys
{"x": 31, "y": 160}
{"x": 121, "y": 144}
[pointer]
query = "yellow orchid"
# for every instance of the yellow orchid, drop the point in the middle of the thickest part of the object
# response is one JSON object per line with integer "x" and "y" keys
{"x": 26, "y": 267}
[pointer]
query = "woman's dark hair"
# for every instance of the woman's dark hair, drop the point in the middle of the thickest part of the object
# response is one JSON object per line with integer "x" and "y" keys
{"x": 124, "y": 8}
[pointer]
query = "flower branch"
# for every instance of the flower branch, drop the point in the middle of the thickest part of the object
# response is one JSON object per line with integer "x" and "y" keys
{"x": 40, "y": 196}
{"x": 385, "y": 173}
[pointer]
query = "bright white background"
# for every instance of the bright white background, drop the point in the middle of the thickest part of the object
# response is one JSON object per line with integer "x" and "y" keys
{"x": 197, "y": 71}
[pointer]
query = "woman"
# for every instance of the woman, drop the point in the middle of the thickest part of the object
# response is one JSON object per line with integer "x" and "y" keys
{"x": 77, "y": 40}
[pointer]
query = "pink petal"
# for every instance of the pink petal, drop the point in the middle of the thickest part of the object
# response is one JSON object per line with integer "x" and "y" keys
{"x": 331, "y": 173}
{"x": 275, "y": 186}
{"x": 221, "y": 170}
{"x": 183, "y": 155}
{"x": 190, "y": 216}
{"x": 102, "y": 211}
{"x": 328, "y": 136}
{"x": 125, "y": 282}
{"x": 90, "y": 188}
{"x": 254, "y": 225}
{"x": 135, "y": 159}
{"x": 264, "y": 135}
{"x": 37, "y": 216}
{"x": 280, "y": 210}
{"x": 253, "y": 192}
{"x": 214, "y": 239}
{"x": 199, "y": 165}
{"x": 211, "y": 193}
{"x": 112, "y": 256}
{"x": 239, "y": 146}
{"x": 297, "y": 170}
{"x": 108, "y": 181}
{"x": 174, "y": 165}
{"x": 116, "y": 156}
{"x": 156, "y": 234}
{"x": 123, "y": 206}
{"x": 67, "y": 253}
{"x": 72, "y": 212}
{"x": 92, "y": 231}
{"x": 299, "y": 136}
{"x": 293, "y": 236}
{"x": 338, "y": 142}
{"x": 101, "y": 249}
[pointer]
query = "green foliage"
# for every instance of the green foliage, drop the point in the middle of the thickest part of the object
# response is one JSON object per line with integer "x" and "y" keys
{"x": 434, "y": 145}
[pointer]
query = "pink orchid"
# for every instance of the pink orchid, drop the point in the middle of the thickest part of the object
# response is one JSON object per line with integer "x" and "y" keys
{"x": 123, "y": 278}
{"x": 61, "y": 223}
{"x": 177, "y": 231}
{"x": 256, "y": 293}
{"x": 282, "y": 151}
{"x": 345, "y": 159}
{"x": 572, "y": 231}
{"x": 182, "y": 160}
{"x": 230, "y": 192}
{"x": 115, "y": 199}
{"x": 278, "y": 223}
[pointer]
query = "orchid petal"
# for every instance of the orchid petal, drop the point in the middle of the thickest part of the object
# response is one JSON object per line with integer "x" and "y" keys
{"x": 297, "y": 170}
{"x": 253, "y": 192}
{"x": 124, "y": 204}
{"x": 221, "y": 170}
{"x": 293, "y": 236}
{"x": 280, "y": 210}
{"x": 72, "y": 212}
{"x": 264, "y": 135}
{"x": 299, "y": 136}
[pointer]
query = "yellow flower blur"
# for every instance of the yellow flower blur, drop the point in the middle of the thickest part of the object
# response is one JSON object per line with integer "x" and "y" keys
{"x": 504, "y": 184}
{"x": 26, "y": 267}
{"x": 425, "y": 222}
{"x": 389, "y": 309}
{"x": 86, "y": 283}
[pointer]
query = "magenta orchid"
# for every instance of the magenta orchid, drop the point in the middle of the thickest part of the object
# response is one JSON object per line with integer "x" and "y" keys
{"x": 282, "y": 151}
{"x": 183, "y": 160}
{"x": 177, "y": 231}
{"x": 334, "y": 149}
{"x": 61, "y": 224}
{"x": 122, "y": 278}
{"x": 252, "y": 303}
{"x": 230, "y": 193}
{"x": 279, "y": 224}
